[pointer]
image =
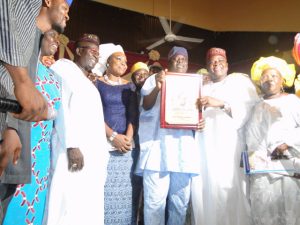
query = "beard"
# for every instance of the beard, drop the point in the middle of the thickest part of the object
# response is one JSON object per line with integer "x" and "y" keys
{"x": 59, "y": 28}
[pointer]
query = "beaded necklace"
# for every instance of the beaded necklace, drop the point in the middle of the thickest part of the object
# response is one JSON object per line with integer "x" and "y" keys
{"x": 119, "y": 82}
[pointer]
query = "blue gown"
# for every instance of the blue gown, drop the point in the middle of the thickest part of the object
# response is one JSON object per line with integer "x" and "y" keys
{"x": 28, "y": 203}
{"x": 122, "y": 187}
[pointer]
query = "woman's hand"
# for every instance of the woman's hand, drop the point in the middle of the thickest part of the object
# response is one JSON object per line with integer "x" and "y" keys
{"x": 282, "y": 148}
{"x": 122, "y": 143}
{"x": 281, "y": 152}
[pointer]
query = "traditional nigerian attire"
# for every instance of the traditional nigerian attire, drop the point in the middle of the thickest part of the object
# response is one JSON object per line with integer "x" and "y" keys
{"x": 218, "y": 193}
{"x": 78, "y": 197}
{"x": 275, "y": 197}
{"x": 287, "y": 71}
{"x": 120, "y": 195}
{"x": 28, "y": 204}
{"x": 18, "y": 47}
{"x": 167, "y": 162}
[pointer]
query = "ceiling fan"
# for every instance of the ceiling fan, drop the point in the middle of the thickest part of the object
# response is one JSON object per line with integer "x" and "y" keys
{"x": 170, "y": 36}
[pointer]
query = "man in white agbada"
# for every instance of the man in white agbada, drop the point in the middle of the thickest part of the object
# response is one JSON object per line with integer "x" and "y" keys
{"x": 80, "y": 152}
{"x": 167, "y": 156}
{"x": 218, "y": 193}
{"x": 273, "y": 132}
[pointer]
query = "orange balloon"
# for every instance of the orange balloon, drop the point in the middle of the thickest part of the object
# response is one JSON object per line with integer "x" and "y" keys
{"x": 296, "y": 49}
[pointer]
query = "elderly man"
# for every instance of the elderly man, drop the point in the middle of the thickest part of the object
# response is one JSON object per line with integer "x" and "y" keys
{"x": 80, "y": 159}
{"x": 227, "y": 103}
{"x": 16, "y": 133}
{"x": 167, "y": 157}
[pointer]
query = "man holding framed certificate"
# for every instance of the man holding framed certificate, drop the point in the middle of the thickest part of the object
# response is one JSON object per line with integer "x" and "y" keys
{"x": 168, "y": 157}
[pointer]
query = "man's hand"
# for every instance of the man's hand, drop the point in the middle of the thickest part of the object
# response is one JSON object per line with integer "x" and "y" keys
{"x": 207, "y": 101}
{"x": 150, "y": 99}
{"x": 201, "y": 125}
{"x": 75, "y": 159}
{"x": 33, "y": 103}
{"x": 10, "y": 149}
{"x": 160, "y": 78}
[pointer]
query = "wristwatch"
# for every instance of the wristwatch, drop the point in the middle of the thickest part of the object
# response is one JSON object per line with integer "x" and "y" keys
{"x": 226, "y": 107}
{"x": 112, "y": 137}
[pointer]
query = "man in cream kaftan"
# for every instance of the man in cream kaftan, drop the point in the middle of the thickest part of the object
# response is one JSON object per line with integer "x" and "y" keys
{"x": 222, "y": 199}
{"x": 78, "y": 197}
{"x": 218, "y": 193}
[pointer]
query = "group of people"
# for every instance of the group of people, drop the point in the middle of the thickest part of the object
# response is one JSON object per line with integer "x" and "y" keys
{"x": 93, "y": 151}
{"x": 241, "y": 114}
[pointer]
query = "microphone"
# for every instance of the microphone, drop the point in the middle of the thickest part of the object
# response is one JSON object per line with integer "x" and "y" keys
{"x": 9, "y": 105}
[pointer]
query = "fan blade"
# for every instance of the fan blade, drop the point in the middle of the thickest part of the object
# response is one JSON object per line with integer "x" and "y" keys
{"x": 176, "y": 27}
{"x": 165, "y": 24}
{"x": 155, "y": 44}
{"x": 181, "y": 38}
{"x": 148, "y": 41}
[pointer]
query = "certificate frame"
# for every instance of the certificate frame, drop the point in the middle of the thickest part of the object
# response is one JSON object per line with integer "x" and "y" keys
{"x": 255, "y": 165}
{"x": 179, "y": 94}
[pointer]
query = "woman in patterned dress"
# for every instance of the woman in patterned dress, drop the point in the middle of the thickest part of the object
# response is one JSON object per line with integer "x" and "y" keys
{"x": 122, "y": 188}
{"x": 28, "y": 204}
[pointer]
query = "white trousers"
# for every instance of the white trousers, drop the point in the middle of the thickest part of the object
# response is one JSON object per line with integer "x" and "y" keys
{"x": 160, "y": 187}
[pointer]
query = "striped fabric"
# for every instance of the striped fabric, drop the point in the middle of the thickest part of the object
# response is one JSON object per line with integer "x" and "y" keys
{"x": 17, "y": 32}
{"x": 17, "y": 25}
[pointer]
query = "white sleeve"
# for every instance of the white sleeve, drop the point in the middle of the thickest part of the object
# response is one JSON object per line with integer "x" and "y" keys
{"x": 242, "y": 99}
{"x": 70, "y": 104}
{"x": 148, "y": 86}
{"x": 256, "y": 131}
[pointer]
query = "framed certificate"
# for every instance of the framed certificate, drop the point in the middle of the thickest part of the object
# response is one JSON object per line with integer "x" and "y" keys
{"x": 179, "y": 95}
{"x": 255, "y": 162}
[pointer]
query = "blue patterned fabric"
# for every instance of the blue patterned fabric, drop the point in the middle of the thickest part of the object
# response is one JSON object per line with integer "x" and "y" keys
{"x": 122, "y": 188}
{"x": 28, "y": 204}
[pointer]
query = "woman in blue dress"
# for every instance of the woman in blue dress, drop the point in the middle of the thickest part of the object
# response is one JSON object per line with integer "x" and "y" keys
{"x": 28, "y": 203}
{"x": 118, "y": 96}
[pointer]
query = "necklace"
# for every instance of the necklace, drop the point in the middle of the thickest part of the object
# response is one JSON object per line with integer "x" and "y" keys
{"x": 119, "y": 82}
